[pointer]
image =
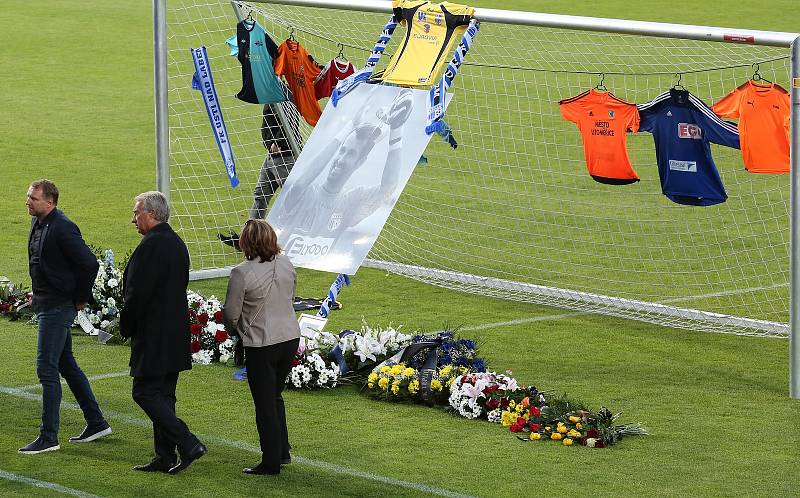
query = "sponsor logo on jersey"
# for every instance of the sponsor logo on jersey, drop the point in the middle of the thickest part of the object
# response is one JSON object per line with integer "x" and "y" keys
{"x": 669, "y": 114}
{"x": 611, "y": 114}
{"x": 430, "y": 38}
{"x": 421, "y": 16}
{"x": 301, "y": 249}
{"x": 602, "y": 128}
{"x": 751, "y": 103}
{"x": 685, "y": 166}
{"x": 689, "y": 130}
{"x": 591, "y": 113}
{"x": 437, "y": 19}
{"x": 426, "y": 28}
{"x": 259, "y": 43}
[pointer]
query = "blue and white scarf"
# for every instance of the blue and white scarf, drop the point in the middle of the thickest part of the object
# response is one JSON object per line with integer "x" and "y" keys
{"x": 204, "y": 82}
{"x": 336, "y": 287}
{"x": 436, "y": 96}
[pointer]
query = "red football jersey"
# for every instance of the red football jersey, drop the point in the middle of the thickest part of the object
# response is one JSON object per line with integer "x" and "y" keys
{"x": 335, "y": 70}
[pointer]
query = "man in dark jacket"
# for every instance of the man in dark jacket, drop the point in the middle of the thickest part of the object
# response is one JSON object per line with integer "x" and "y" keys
{"x": 156, "y": 320}
{"x": 62, "y": 272}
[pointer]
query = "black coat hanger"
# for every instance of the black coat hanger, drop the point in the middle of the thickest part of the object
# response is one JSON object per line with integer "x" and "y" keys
{"x": 249, "y": 19}
{"x": 340, "y": 55}
{"x": 600, "y": 86}
{"x": 678, "y": 85}
{"x": 757, "y": 75}
{"x": 291, "y": 34}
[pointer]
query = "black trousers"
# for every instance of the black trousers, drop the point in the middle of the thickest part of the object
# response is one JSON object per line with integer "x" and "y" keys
{"x": 267, "y": 368}
{"x": 156, "y": 396}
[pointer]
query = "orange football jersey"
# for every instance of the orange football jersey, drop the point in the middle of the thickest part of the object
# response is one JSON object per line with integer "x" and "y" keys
{"x": 603, "y": 120}
{"x": 763, "y": 111}
{"x": 300, "y": 71}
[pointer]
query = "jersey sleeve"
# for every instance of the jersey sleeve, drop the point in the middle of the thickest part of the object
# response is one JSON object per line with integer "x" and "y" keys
{"x": 461, "y": 14}
{"x": 646, "y": 121}
{"x": 728, "y": 107}
{"x": 281, "y": 64}
{"x": 633, "y": 119}
{"x": 719, "y": 131}
{"x": 568, "y": 111}
{"x": 272, "y": 47}
{"x": 231, "y": 42}
{"x": 397, "y": 10}
{"x": 315, "y": 67}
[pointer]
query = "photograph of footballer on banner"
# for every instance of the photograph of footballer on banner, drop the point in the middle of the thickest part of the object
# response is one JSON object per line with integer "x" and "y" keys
{"x": 349, "y": 176}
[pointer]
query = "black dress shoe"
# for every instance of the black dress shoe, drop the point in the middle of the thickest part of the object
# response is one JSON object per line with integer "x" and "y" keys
{"x": 261, "y": 469}
{"x": 156, "y": 465}
{"x": 186, "y": 460}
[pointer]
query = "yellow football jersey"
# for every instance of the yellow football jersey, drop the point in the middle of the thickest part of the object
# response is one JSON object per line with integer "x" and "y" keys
{"x": 432, "y": 32}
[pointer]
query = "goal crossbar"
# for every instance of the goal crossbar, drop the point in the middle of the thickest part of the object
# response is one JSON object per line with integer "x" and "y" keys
{"x": 601, "y": 24}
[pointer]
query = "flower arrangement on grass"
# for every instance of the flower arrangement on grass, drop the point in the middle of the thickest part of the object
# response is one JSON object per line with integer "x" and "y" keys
{"x": 398, "y": 381}
{"x": 311, "y": 371}
{"x": 484, "y": 394}
{"x": 426, "y": 370}
{"x": 210, "y": 341}
{"x": 455, "y": 351}
{"x": 567, "y": 422}
{"x": 323, "y": 358}
{"x": 15, "y": 300}
{"x": 370, "y": 345}
{"x": 107, "y": 294}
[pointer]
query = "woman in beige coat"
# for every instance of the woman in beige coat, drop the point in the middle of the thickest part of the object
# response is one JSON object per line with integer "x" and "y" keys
{"x": 259, "y": 308}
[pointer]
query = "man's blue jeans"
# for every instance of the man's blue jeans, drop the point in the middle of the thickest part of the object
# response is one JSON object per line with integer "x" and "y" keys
{"x": 54, "y": 357}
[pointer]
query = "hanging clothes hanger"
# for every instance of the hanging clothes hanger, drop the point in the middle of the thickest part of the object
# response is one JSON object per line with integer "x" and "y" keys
{"x": 757, "y": 75}
{"x": 678, "y": 85}
{"x": 291, "y": 34}
{"x": 340, "y": 55}
{"x": 600, "y": 86}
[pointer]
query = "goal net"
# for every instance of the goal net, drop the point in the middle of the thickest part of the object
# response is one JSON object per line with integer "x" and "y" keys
{"x": 512, "y": 212}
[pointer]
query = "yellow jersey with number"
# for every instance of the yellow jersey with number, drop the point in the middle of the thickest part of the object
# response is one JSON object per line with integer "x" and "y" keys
{"x": 432, "y": 33}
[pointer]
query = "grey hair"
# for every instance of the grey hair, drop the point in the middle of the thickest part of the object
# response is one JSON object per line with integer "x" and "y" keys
{"x": 156, "y": 202}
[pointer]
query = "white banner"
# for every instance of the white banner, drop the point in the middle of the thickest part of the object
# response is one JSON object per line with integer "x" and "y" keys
{"x": 349, "y": 176}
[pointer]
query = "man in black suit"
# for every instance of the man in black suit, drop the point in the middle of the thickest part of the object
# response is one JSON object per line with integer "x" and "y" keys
{"x": 62, "y": 272}
{"x": 156, "y": 320}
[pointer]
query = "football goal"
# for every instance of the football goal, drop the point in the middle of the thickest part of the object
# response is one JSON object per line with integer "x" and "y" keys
{"x": 512, "y": 212}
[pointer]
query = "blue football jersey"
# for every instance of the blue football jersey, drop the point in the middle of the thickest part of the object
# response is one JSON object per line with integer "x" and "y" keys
{"x": 682, "y": 127}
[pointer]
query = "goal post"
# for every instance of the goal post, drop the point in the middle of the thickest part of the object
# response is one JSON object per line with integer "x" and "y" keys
{"x": 512, "y": 212}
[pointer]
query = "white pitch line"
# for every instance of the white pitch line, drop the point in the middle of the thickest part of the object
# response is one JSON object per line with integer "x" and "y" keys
{"x": 114, "y": 375}
{"x": 721, "y": 294}
{"x": 330, "y": 467}
{"x": 44, "y": 484}
{"x": 521, "y": 321}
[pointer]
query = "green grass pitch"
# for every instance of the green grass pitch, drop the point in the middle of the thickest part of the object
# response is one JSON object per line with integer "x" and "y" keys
{"x": 77, "y": 79}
